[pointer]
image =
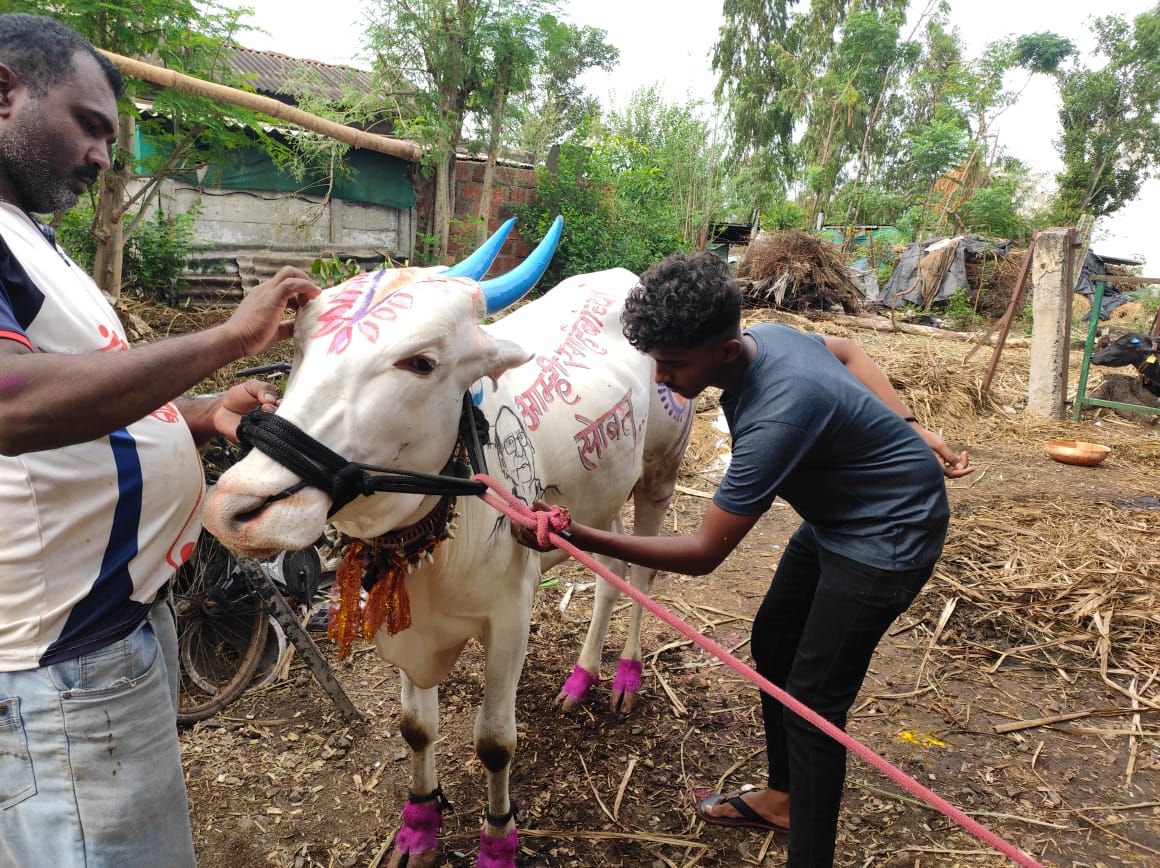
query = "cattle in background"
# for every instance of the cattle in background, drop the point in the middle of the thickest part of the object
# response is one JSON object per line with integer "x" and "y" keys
{"x": 381, "y": 367}
{"x": 1137, "y": 350}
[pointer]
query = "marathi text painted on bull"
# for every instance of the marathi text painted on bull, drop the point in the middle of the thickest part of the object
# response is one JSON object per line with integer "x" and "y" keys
{"x": 593, "y": 438}
{"x": 579, "y": 341}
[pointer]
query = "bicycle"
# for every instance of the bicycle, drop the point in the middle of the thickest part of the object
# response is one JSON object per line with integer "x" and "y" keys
{"x": 229, "y": 608}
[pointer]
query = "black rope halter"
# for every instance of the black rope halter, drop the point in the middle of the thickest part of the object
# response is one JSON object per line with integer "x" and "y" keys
{"x": 343, "y": 480}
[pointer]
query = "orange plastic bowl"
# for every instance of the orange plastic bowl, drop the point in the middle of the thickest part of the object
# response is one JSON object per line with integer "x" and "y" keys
{"x": 1077, "y": 452}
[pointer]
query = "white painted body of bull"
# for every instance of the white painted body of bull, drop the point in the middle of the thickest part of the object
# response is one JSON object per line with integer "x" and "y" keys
{"x": 381, "y": 366}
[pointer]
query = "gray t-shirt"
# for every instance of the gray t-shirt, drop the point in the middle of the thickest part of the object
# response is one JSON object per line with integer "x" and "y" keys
{"x": 807, "y": 430}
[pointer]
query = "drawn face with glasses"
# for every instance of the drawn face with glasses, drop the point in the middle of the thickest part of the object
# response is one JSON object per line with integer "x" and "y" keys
{"x": 517, "y": 456}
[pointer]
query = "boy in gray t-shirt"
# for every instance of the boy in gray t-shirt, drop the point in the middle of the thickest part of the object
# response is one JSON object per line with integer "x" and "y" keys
{"x": 814, "y": 421}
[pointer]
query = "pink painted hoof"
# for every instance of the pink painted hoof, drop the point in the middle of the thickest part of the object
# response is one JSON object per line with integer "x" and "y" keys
{"x": 626, "y": 685}
{"x": 578, "y": 686}
{"x": 627, "y": 678}
{"x": 420, "y": 830}
{"x": 497, "y": 852}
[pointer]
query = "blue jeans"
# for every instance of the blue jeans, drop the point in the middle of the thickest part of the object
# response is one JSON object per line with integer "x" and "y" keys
{"x": 90, "y": 766}
{"x": 814, "y": 636}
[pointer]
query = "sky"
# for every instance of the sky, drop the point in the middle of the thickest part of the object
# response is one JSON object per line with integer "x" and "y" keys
{"x": 669, "y": 44}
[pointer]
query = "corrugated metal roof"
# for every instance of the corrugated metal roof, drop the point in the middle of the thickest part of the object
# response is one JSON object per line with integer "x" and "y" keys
{"x": 279, "y": 75}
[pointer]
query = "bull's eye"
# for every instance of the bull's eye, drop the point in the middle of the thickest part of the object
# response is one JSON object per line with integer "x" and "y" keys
{"x": 419, "y": 365}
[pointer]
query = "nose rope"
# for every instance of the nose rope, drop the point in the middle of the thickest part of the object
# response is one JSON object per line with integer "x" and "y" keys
{"x": 517, "y": 510}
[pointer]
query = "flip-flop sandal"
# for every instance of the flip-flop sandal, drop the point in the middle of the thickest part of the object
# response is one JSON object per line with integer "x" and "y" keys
{"x": 749, "y": 818}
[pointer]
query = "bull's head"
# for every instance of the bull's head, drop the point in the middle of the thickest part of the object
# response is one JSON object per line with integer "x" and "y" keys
{"x": 1130, "y": 349}
{"x": 381, "y": 364}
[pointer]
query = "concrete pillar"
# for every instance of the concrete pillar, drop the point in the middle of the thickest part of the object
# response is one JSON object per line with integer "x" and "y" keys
{"x": 1047, "y": 380}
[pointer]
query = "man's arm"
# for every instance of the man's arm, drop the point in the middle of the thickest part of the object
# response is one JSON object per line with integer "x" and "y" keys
{"x": 863, "y": 367}
{"x": 694, "y": 554}
{"x": 49, "y": 400}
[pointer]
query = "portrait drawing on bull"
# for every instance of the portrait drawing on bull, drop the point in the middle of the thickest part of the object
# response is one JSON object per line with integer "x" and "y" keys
{"x": 390, "y": 369}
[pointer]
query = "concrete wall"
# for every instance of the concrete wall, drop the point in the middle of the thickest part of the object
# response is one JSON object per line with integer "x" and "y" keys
{"x": 260, "y": 219}
{"x": 249, "y": 234}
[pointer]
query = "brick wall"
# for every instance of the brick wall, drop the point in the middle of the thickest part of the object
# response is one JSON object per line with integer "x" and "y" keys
{"x": 512, "y": 186}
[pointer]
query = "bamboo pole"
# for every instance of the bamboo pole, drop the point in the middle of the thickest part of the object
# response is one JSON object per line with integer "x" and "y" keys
{"x": 400, "y": 148}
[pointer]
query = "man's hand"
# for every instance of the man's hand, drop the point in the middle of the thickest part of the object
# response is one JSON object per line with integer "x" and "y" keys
{"x": 239, "y": 401}
{"x": 954, "y": 464}
{"x": 258, "y": 322}
{"x": 526, "y": 536}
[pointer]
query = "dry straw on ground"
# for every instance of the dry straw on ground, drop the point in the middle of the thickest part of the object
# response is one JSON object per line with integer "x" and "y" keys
{"x": 1066, "y": 588}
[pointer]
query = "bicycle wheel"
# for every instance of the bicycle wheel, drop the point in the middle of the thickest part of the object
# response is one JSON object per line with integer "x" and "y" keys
{"x": 221, "y": 631}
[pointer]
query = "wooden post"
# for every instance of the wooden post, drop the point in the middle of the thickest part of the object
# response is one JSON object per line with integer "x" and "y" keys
{"x": 400, "y": 148}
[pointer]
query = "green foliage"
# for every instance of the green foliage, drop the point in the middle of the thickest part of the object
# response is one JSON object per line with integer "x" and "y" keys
{"x": 1110, "y": 119}
{"x": 330, "y": 270}
{"x": 993, "y": 210}
{"x": 426, "y": 245}
{"x": 960, "y": 311}
{"x": 648, "y": 185}
{"x": 156, "y": 254}
{"x": 809, "y": 84}
{"x": 556, "y": 106}
{"x": 1042, "y": 52}
{"x": 605, "y": 226}
{"x": 74, "y": 231}
{"x": 875, "y": 205}
{"x": 784, "y": 215}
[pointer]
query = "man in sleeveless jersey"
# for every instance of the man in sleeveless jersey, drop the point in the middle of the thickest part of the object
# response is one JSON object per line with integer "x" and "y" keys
{"x": 815, "y": 422}
{"x": 100, "y": 485}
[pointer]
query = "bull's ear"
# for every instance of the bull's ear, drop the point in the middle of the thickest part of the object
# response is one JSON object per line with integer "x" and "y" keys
{"x": 493, "y": 356}
{"x": 506, "y": 355}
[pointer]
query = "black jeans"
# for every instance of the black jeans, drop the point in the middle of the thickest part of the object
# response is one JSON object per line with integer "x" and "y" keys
{"x": 814, "y": 635}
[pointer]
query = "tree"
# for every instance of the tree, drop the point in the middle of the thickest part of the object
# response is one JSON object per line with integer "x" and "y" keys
{"x": 513, "y": 42}
{"x": 670, "y": 163}
{"x": 1110, "y": 140}
{"x": 848, "y": 98}
{"x": 438, "y": 45}
{"x": 556, "y": 104}
{"x": 183, "y": 130}
{"x": 647, "y": 184}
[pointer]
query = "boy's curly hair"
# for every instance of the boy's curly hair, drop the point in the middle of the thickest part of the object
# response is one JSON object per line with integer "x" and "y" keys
{"x": 682, "y": 301}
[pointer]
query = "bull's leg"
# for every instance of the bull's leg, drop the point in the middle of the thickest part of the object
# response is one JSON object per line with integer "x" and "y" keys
{"x": 649, "y": 515}
{"x": 495, "y": 727}
{"x": 587, "y": 670}
{"x": 417, "y": 841}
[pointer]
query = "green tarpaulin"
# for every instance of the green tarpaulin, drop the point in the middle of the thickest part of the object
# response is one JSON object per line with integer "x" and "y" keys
{"x": 370, "y": 177}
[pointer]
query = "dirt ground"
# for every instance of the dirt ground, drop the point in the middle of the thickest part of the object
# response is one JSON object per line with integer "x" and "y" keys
{"x": 279, "y": 780}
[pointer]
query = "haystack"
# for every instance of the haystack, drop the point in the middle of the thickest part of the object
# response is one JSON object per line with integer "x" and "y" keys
{"x": 993, "y": 279}
{"x": 796, "y": 271}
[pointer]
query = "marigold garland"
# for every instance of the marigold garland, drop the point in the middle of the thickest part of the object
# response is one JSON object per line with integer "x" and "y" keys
{"x": 382, "y": 569}
{"x": 345, "y": 614}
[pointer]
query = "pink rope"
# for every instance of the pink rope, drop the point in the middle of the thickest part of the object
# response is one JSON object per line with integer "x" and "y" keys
{"x": 517, "y": 510}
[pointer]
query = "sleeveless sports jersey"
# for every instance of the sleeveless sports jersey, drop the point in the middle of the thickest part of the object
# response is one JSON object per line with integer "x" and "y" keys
{"x": 88, "y": 533}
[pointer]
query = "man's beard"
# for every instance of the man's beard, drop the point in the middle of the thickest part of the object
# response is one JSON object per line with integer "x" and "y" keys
{"x": 25, "y": 162}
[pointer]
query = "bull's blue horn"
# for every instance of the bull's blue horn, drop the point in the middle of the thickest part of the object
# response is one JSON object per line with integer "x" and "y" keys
{"x": 476, "y": 265}
{"x": 509, "y": 288}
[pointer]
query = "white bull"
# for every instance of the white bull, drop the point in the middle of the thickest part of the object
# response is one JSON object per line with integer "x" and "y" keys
{"x": 381, "y": 365}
